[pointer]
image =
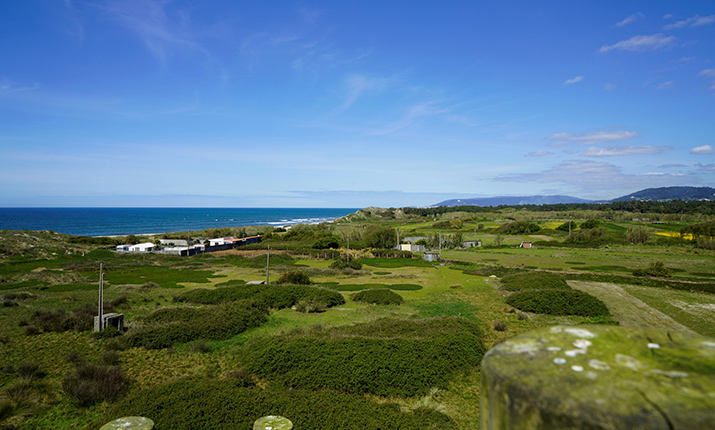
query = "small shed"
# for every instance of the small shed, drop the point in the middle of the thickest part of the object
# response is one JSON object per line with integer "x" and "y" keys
{"x": 412, "y": 247}
{"x": 110, "y": 320}
{"x": 471, "y": 244}
{"x": 525, "y": 245}
{"x": 431, "y": 256}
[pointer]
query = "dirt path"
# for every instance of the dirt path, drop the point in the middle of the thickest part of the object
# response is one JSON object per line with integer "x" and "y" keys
{"x": 626, "y": 309}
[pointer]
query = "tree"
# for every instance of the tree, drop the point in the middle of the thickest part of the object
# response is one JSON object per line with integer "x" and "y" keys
{"x": 638, "y": 235}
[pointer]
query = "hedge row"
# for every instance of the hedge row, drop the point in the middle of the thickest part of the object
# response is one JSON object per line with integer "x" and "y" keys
{"x": 705, "y": 287}
{"x": 378, "y": 296}
{"x": 228, "y": 403}
{"x": 166, "y": 327}
{"x": 534, "y": 281}
{"x": 272, "y": 296}
{"x": 385, "y": 358}
{"x": 558, "y": 302}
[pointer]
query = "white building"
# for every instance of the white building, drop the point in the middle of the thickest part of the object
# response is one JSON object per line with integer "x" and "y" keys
{"x": 141, "y": 247}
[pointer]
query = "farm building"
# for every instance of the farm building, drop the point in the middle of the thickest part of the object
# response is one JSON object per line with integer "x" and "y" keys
{"x": 471, "y": 244}
{"x": 525, "y": 245}
{"x": 411, "y": 247}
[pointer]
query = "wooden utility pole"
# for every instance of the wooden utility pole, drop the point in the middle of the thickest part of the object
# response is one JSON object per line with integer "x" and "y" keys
{"x": 100, "y": 310}
{"x": 268, "y": 265}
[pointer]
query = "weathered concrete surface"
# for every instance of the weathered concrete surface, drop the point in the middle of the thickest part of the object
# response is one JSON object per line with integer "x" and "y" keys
{"x": 600, "y": 377}
{"x": 273, "y": 422}
{"x": 129, "y": 423}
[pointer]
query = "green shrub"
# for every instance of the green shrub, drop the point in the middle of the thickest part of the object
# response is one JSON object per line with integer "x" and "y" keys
{"x": 589, "y": 224}
{"x": 518, "y": 227}
{"x": 384, "y": 358}
{"x": 567, "y": 226}
{"x": 378, "y": 296}
{"x": 327, "y": 241}
{"x": 558, "y": 302}
{"x": 534, "y": 281}
{"x": 295, "y": 277}
{"x": 656, "y": 269}
{"x": 230, "y": 404}
{"x": 166, "y": 327}
{"x": 272, "y": 296}
{"x": 638, "y": 235}
{"x": 593, "y": 236}
{"x": 340, "y": 264}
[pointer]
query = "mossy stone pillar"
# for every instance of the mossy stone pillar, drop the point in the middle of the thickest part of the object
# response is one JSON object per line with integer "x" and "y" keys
{"x": 273, "y": 422}
{"x": 129, "y": 423}
{"x": 599, "y": 377}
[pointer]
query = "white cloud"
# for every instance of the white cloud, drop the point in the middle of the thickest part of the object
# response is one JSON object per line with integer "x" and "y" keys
{"x": 706, "y": 167}
{"x": 694, "y": 21}
{"x": 708, "y": 73}
{"x": 592, "y": 138}
{"x": 356, "y": 85}
{"x": 594, "y": 177}
{"x": 624, "y": 150}
{"x": 666, "y": 85}
{"x": 609, "y": 86}
{"x": 574, "y": 80}
{"x": 668, "y": 16}
{"x": 7, "y": 86}
{"x": 641, "y": 43}
{"x": 541, "y": 153}
{"x": 703, "y": 150}
{"x": 630, "y": 19}
{"x": 672, "y": 166}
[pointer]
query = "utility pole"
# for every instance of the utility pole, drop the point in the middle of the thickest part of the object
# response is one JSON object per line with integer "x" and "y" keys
{"x": 440, "y": 245}
{"x": 100, "y": 310}
{"x": 268, "y": 265}
{"x": 348, "y": 256}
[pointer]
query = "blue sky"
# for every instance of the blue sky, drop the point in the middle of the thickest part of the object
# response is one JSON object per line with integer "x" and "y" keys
{"x": 351, "y": 104}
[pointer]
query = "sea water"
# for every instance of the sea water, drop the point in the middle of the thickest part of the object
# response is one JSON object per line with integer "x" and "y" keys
{"x": 123, "y": 221}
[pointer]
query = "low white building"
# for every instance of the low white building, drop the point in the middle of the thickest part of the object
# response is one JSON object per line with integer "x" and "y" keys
{"x": 141, "y": 247}
{"x": 412, "y": 247}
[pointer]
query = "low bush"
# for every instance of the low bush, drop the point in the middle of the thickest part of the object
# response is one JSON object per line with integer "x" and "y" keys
{"x": 656, "y": 269}
{"x": 340, "y": 264}
{"x": 295, "y": 277}
{"x": 558, "y": 302}
{"x": 534, "y": 281}
{"x": 592, "y": 236}
{"x": 638, "y": 235}
{"x": 360, "y": 287}
{"x": 229, "y": 403}
{"x": 58, "y": 321}
{"x": 518, "y": 227}
{"x": 567, "y": 226}
{"x": 91, "y": 384}
{"x": 589, "y": 224}
{"x": 378, "y": 296}
{"x": 311, "y": 305}
{"x": 166, "y": 327}
{"x": 384, "y": 357}
{"x": 499, "y": 326}
{"x": 272, "y": 296}
{"x": 30, "y": 370}
{"x": 705, "y": 287}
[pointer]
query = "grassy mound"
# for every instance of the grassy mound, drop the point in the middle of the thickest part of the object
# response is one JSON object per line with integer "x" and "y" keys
{"x": 228, "y": 403}
{"x": 558, "y": 302}
{"x": 385, "y": 357}
{"x": 272, "y": 296}
{"x": 534, "y": 281}
{"x": 167, "y": 326}
{"x": 378, "y": 297}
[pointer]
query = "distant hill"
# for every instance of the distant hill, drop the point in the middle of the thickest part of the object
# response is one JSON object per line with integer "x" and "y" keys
{"x": 513, "y": 200}
{"x": 670, "y": 193}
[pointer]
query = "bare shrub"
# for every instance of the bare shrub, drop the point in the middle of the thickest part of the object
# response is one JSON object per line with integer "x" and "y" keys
{"x": 91, "y": 384}
{"x": 499, "y": 326}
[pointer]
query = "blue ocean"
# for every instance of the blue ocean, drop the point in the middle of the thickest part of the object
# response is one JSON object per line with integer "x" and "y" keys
{"x": 123, "y": 221}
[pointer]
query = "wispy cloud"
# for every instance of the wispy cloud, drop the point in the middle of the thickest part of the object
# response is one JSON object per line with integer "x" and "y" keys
{"x": 612, "y": 151}
{"x": 694, "y": 21}
{"x": 708, "y": 73}
{"x": 706, "y": 167}
{"x": 666, "y": 85}
{"x": 668, "y": 16}
{"x": 149, "y": 21}
{"x": 420, "y": 110}
{"x": 594, "y": 175}
{"x": 541, "y": 153}
{"x": 356, "y": 85}
{"x": 641, "y": 43}
{"x": 703, "y": 150}
{"x": 573, "y": 80}
{"x": 630, "y": 19}
{"x": 7, "y": 86}
{"x": 592, "y": 138}
{"x": 672, "y": 166}
{"x": 608, "y": 86}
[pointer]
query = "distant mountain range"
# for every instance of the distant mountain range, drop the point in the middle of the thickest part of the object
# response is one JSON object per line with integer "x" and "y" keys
{"x": 652, "y": 194}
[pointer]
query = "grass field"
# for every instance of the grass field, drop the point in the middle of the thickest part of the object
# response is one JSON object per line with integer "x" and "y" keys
{"x": 141, "y": 285}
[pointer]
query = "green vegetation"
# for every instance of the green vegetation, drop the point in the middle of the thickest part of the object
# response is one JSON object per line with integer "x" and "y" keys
{"x": 558, "y": 302}
{"x": 197, "y": 330}
{"x": 295, "y": 277}
{"x": 534, "y": 281}
{"x": 384, "y": 358}
{"x": 378, "y": 296}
